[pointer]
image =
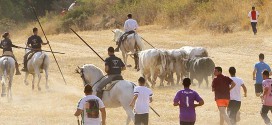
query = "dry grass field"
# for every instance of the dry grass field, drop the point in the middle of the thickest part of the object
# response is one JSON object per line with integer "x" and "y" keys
{"x": 57, "y": 105}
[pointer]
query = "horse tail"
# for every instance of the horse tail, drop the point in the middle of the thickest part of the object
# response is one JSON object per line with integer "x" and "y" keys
{"x": 43, "y": 57}
{"x": 139, "y": 42}
{"x": 5, "y": 70}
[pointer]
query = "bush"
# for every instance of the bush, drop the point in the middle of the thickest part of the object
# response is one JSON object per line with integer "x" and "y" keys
{"x": 224, "y": 16}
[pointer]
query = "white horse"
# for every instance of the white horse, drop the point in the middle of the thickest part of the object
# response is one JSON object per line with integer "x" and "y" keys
{"x": 38, "y": 62}
{"x": 132, "y": 45}
{"x": 120, "y": 95}
{"x": 7, "y": 68}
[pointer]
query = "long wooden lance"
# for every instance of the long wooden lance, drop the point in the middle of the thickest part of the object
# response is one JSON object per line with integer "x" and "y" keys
{"x": 40, "y": 50}
{"x": 144, "y": 40}
{"x": 35, "y": 13}
{"x": 88, "y": 45}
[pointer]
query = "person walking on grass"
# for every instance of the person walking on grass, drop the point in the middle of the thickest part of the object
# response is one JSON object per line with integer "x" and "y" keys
{"x": 142, "y": 98}
{"x": 89, "y": 107}
{"x": 266, "y": 97}
{"x": 257, "y": 74}
{"x": 254, "y": 15}
{"x": 235, "y": 96}
{"x": 221, "y": 86}
{"x": 185, "y": 99}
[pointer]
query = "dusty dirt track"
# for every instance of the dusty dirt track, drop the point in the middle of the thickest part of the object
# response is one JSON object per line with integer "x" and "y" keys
{"x": 57, "y": 105}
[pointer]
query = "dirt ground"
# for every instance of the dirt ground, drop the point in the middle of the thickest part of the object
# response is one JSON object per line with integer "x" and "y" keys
{"x": 56, "y": 106}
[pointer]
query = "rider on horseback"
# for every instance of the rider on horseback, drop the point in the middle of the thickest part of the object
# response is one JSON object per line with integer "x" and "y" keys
{"x": 113, "y": 68}
{"x": 7, "y": 45}
{"x": 130, "y": 27}
{"x": 36, "y": 45}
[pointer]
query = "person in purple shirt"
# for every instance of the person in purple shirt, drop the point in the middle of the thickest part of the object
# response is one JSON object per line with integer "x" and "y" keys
{"x": 185, "y": 99}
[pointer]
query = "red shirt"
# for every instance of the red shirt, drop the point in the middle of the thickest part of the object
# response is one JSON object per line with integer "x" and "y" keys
{"x": 221, "y": 85}
{"x": 253, "y": 15}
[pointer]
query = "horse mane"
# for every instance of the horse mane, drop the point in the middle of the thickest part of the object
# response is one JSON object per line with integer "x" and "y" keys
{"x": 92, "y": 73}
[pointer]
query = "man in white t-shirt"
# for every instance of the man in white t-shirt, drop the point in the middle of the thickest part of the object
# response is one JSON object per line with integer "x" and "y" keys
{"x": 130, "y": 27}
{"x": 253, "y": 15}
{"x": 235, "y": 96}
{"x": 89, "y": 107}
{"x": 72, "y": 6}
{"x": 142, "y": 98}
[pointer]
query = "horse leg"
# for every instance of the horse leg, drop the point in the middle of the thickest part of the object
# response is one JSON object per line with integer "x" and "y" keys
{"x": 130, "y": 114}
{"x": 3, "y": 89}
{"x": 39, "y": 80}
{"x": 124, "y": 58}
{"x": 25, "y": 81}
{"x": 46, "y": 78}
{"x": 9, "y": 87}
{"x": 33, "y": 81}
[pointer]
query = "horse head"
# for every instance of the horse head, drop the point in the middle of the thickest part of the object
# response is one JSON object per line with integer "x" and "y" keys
{"x": 117, "y": 34}
{"x": 89, "y": 74}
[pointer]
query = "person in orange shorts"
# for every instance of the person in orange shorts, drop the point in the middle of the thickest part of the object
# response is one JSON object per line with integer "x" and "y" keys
{"x": 221, "y": 87}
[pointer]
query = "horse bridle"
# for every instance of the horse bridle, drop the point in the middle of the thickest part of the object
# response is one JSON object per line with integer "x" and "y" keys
{"x": 84, "y": 80}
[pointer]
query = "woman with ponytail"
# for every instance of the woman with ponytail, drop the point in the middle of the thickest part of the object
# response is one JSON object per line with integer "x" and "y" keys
{"x": 7, "y": 45}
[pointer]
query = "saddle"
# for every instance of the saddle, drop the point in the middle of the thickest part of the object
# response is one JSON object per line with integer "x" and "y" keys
{"x": 30, "y": 55}
{"x": 110, "y": 85}
{"x": 124, "y": 36}
{"x": 8, "y": 54}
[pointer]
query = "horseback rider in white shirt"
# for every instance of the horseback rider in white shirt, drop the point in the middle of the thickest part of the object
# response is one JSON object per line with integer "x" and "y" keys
{"x": 130, "y": 27}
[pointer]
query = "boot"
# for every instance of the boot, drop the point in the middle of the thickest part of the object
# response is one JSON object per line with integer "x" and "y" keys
{"x": 24, "y": 68}
{"x": 17, "y": 69}
{"x": 99, "y": 94}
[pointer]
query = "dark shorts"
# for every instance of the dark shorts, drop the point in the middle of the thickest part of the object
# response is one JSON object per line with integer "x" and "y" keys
{"x": 141, "y": 119}
{"x": 186, "y": 123}
{"x": 258, "y": 88}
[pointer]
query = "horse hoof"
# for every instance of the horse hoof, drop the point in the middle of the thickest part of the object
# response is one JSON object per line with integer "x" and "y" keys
{"x": 3, "y": 95}
{"x": 26, "y": 83}
{"x": 32, "y": 87}
{"x": 39, "y": 88}
{"x": 129, "y": 65}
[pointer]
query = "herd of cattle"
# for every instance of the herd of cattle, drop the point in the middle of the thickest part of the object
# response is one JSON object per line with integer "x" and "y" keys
{"x": 192, "y": 62}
